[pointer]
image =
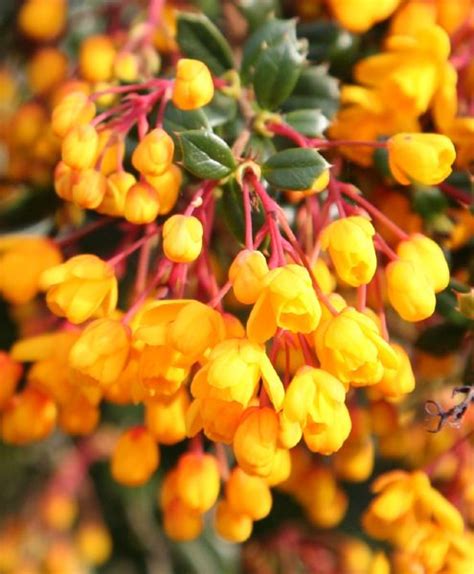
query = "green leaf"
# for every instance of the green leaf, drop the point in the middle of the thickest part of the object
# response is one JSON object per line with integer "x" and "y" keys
{"x": 294, "y": 169}
{"x": 257, "y": 11}
{"x": 221, "y": 110}
{"x": 233, "y": 211}
{"x": 276, "y": 72}
{"x": 176, "y": 120}
{"x": 311, "y": 123}
{"x": 273, "y": 33}
{"x": 259, "y": 147}
{"x": 315, "y": 89}
{"x": 428, "y": 201}
{"x": 206, "y": 155}
{"x": 199, "y": 38}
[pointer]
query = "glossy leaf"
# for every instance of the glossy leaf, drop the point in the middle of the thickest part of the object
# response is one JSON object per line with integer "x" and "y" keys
{"x": 311, "y": 123}
{"x": 315, "y": 89}
{"x": 200, "y": 39}
{"x": 206, "y": 155}
{"x": 294, "y": 169}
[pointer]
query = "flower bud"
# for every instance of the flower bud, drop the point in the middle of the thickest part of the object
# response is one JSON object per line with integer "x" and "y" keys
{"x": 180, "y": 522}
{"x": 396, "y": 382}
{"x": 83, "y": 287}
{"x": 198, "y": 480}
{"x": 193, "y": 87}
{"x": 231, "y": 525}
{"x": 126, "y": 67}
{"x": 10, "y": 375}
{"x": 135, "y": 458}
{"x": 96, "y": 58}
{"x": 350, "y": 245}
{"x": 80, "y": 146}
{"x": 94, "y": 543}
{"x": 46, "y": 69}
{"x": 248, "y": 494}
{"x": 154, "y": 153}
{"x": 167, "y": 187}
{"x": 28, "y": 417}
{"x": 118, "y": 185}
{"x": 64, "y": 178}
{"x": 78, "y": 416}
{"x": 88, "y": 189}
{"x": 21, "y": 266}
{"x": 427, "y": 256}
{"x": 409, "y": 291}
{"x": 182, "y": 238}
{"x": 58, "y": 510}
{"x": 141, "y": 204}
{"x": 74, "y": 109}
{"x": 421, "y": 157}
{"x": 110, "y": 152}
{"x": 42, "y": 20}
{"x": 255, "y": 440}
{"x": 102, "y": 350}
{"x": 247, "y": 273}
{"x": 165, "y": 417}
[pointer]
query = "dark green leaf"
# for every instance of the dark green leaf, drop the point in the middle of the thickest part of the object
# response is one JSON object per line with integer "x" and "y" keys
{"x": 441, "y": 339}
{"x": 315, "y": 89}
{"x": 199, "y": 38}
{"x": 294, "y": 169}
{"x": 260, "y": 148}
{"x": 276, "y": 72}
{"x": 428, "y": 201}
{"x": 176, "y": 120}
{"x": 206, "y": 155}
{"x": 272, "y": 33}
{"x": 447, "y": 306}
{"x": 221, "y": 110}
{"x": 311, "y": 123}
{"x": 257, "y": 11}
{"x": 233, "y": 211}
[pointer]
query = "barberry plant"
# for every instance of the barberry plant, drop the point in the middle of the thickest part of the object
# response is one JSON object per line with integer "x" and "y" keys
{"x": 248, "y": 297}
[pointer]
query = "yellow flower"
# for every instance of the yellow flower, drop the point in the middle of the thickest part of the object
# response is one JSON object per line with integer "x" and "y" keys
{"x": 219, "y": 418}
{"x": 167, "y": 186}
{"x": 80, "y": 146}
{"x": 96, "y": 58}
{"x": 74, "y": 109}
{"x": 427, "y": 256}
{"x": 193, "y": 87}
{"x": 78, "y": 416}
{"x": 396, "y": 382}
{"x": 324, "y": 277}
{"x": 247, "y": 273}
{"x": 154, "y": 153}
{"x": 361, "y": 15}
{"x": 233, "y": 373}
{"x": 409, "y": 291}
{"x": 316, "y": 400}
{"x": 10, "y": 374}
{"x": 232, "y": 526}
{"x": 248, "y": 494}
{"x": 255, "y": 440}
{"x": 350, "y": 347}
{"x": 83, "y": 287}
{"x": 287, "y": 301}
{"x": 88, "y": 188}
{"x": 27, "y": 417}
{"x": 102, "y": 351}
{"x": 424, "y": 158}
{"x": 93, "y": 543}
{"x": 198, "y": 480}
{"x": 22, "y": 261}
{"x": 117, "y": 187}
{"x": 42, "y": 19}
{"x": 141, "y": 204}
{"x": 352, "y": 251}
{"x": 182, "y": 238}
{"x": 180, "y": 522}
{"x": 46, "y": 69}
{"x": 135, "y": 457}
{"x": 165, "y": 417}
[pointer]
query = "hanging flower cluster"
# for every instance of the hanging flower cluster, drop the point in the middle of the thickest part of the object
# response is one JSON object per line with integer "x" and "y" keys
{"x": 240, "y": 258}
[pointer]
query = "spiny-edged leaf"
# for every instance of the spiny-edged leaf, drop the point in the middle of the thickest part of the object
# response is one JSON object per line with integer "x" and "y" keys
{"x": 199, "y": 38}
{"x": 256, "y": 12}
{"x": 276, "y": 72}
{"x": 272, "y": 33}
{"x": 311, "y": 123}
{"x": 206, "y": 155}
{"x": 294, "y": 169}
{"x": 315, "y": 89}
